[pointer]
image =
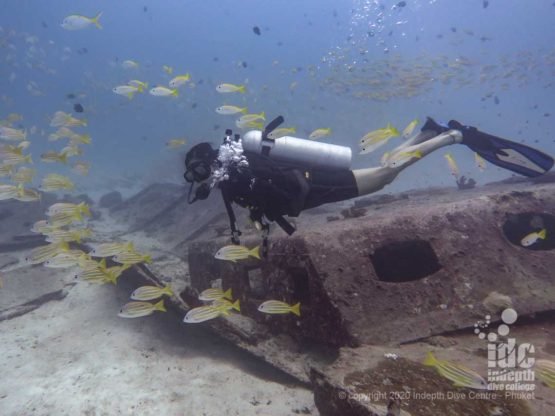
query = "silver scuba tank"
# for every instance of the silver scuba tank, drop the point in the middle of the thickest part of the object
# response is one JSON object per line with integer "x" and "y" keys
{"x": 295, "y": 150}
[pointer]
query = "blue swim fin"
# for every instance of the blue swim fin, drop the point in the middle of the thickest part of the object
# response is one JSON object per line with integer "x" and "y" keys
{"x": 507, "y": 154}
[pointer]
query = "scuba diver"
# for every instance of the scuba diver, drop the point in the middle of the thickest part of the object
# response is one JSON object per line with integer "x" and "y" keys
{"x": 285, "y": 176}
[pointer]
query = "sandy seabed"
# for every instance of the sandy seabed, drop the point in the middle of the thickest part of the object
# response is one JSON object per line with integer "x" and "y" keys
{"x": 77, "y": 357}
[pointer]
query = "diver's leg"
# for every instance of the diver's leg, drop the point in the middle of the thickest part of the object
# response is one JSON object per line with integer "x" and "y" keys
{"x": 418, "y": 138}
{"x": 371, "y": 180}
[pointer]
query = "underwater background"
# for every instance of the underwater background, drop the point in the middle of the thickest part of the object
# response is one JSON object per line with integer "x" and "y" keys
{"x": 352, "y": 66}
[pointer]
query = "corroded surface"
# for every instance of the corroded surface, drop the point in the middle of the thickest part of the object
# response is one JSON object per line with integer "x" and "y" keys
{"x": 404, "y": 268}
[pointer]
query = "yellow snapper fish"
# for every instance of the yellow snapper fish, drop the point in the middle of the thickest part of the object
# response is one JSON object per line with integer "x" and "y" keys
{"x": 545, "y": 371}
{"x": 458, "y": 374}
{"x": 179, "y": 81}
{"x": 214, "y": 294}
{"x": 151, "y": 292}
{"x": 228, "y": 110}
{"x": 78, "y": 22}
{"x": 14, "y": 117}
{"x": 111, "y": 249}
{"x": 24, "y": 175}
{"x": 141, "y": 86}
{"x": 9, "y": 150}
{"x": 250, "y": 125}
{"x": 139, "y": 309}
{"x": 399, "y": 159}
{"x": 9, "y": 133}
{"x": 279, "y": 307}
{"x": 63, "y": 119}
{"x": 132, "y": 257}
{"x": 72, "y": 150}
{"x": 81, "y": 168}
{"x": 114, "y": 272}
{"x": 94, "y": 274}
{"x": 59, "y": 236}
{"x": 319, "y": 133}
{"x": 15, "y": 159}
{"x": 91, "y": 270}
{"x": 42, "y": 227}
{"x": 127, "y": 90}
{"x": 407, "y": 131}
{"x": 452, "y": 165}
{"x": 27, "y": 194}
{"x": 129, "y": 64}
{"x": 281, "y": 132}
{"x": 43, "y": 253}
{"x": 175, "y": 143}
{"x": 163, "y": 92}
{"x": 248, "y": 118}
{"x": 61, "y": 133}
{"x": 55, "y": 182}
{"x": 61, "y": 219}
{"x": 480, "y": 162}
{"x": 226, "y": 88}
{"x": 225, "y": 305}
{"x": 24, "y": 144}
{"x": 54, "y": 157}
{"x": 86, "y": 263}
{"x": 167, "y": 69}
{"x": 76, "y": 139}
{"x": 377, "y": 138}
{"x": 66, "y": 259}
{"x": 202, "y": 314}
{"x": 8, "y": 191}
{"x": 68, "y": 207}
{"x": 6, "y": 170}
{"x": 532, "y": 238}
{"x": 235, "y": 252}
{"x": 207, "y": 312}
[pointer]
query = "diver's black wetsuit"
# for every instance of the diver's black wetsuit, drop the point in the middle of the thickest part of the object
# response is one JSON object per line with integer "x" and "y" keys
{"x": 273, "y": 190}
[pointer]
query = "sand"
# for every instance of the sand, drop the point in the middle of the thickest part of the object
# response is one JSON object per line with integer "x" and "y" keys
{"x": 75, "y": 356}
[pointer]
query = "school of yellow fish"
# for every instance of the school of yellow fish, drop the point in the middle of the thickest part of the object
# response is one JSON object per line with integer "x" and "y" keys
{"x": 65, "y": 226}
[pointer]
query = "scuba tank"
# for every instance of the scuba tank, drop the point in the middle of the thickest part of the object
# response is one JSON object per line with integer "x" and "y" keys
{"x": 298, "y": 151}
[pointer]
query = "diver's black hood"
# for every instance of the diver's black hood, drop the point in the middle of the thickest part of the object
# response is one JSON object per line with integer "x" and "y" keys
{"x": 202, "y": 151}
{"x": 198, "y": 161}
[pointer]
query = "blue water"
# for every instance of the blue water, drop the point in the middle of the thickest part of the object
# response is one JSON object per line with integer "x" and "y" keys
{"x": 317, "y": 45}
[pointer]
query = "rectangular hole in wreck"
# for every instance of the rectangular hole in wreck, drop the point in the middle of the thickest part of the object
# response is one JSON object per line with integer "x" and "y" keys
{"x": 257, "y": 283}
{"x": 405, "y": 261}
{"x": 300, "y": 283}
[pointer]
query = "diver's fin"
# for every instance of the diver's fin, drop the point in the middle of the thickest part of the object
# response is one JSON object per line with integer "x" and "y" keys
{"x": 507, "y": 154}
{"x": 272, "y": 126}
